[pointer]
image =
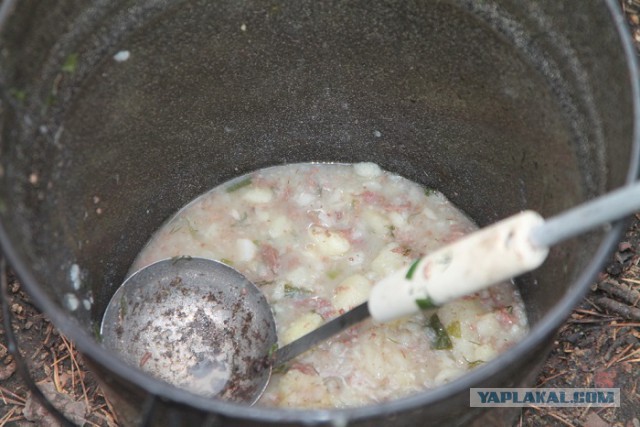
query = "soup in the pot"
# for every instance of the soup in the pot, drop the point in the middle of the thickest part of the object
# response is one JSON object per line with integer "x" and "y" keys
{"x": 315, "y": 238}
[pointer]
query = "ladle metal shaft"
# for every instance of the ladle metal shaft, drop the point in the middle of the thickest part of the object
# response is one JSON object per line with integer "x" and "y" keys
{"x": 601, "y": 210}
{"x": 324, "y": 332}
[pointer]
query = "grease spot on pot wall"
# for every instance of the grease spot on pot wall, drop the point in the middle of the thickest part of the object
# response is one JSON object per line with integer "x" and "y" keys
{"x": 122, "y": 56}
{"x": 70, "y": 301}
{"x": 74, "y": 276}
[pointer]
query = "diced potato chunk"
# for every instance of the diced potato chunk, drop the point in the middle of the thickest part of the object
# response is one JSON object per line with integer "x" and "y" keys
{"x": 447, "y": 374}
{"x": 351, "y": 292}
{"x": 327, "y": 242}
{"x": 279, "y": 227}
{"x": 305, "y": 199}
{"x": 485, "y": 352}
{"x": 258, "y": 195}
{"x": 465, "y": 350}
{"x": 300, "y": 390}
{"x": 397, "y": 219}
{"x": 262, "y": 215}
{"x": 388, "y": 260}
{"x": 380, "y": 353}
{"x": 367, "y": 170}
{"x": 476, "y": 327}
{"x": 301, "y": 326}
{"x": 301, "y": 277}
{"x": 467, "y": 312}
{"x": 376, "y": 222}
{"x": 488, "y": 326}
{"x": 245, "y": 250}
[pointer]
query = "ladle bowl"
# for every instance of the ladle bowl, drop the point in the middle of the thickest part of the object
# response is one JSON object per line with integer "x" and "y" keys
{"x": 194, "y": 323}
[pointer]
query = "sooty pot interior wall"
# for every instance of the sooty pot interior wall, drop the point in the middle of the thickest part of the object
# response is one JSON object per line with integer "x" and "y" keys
{"x": 213, "y": 91}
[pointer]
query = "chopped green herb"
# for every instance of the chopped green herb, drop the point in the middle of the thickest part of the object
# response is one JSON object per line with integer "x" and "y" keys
{"x": 226, "y": 261}
{"x": 475, "y": 363}
{"x": 18, "y": 94}
{"x": 178, "y": 226}
{"x": 294, "y": 291}
{"x": 192, "y": 229}
{"x": 96, "y": 332}
{"x": 453, "y": 329}
{"x": 509, "y": 309}
{"x": 238, "y": 185}
{"x": 264, "y": 283}
{"x": 282, "y": 369}
{"x": 71, "y": 63}
{"x": 429, "y": 191}
{"x": 412, "y": 270}
{"x": 123, "y": 307}
{"x": 272, "y": 349}
{"x": 441, "y": 340}
{"x": 333, "y": 274}
{"x": 425, "y": 303}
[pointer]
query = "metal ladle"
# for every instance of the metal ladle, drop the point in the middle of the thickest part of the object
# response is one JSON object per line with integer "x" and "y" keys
{"x": 202, "y": 326}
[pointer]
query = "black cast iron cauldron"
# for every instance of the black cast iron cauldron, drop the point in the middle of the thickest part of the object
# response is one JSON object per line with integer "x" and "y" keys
{"x": 502, "y": 105}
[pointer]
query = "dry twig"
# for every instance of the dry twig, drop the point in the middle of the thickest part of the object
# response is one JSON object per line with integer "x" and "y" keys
{"x": 72, "y": 353}
{"x": 618, "y": 290}
{"x": 547, "y": 379}
{"x": 619, "y": 356}
{"x": 619, "y": 308}
{"x": 553, "y": 415}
